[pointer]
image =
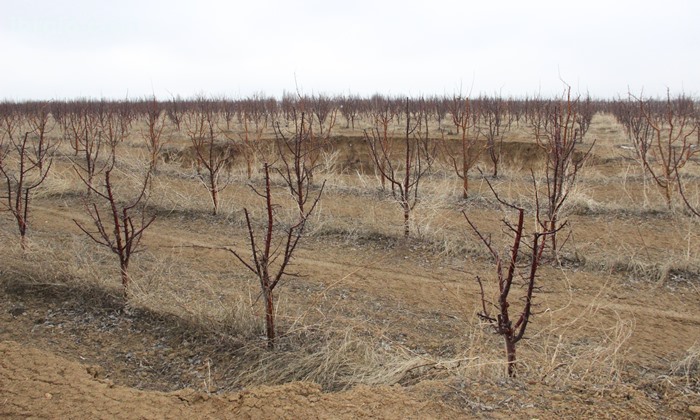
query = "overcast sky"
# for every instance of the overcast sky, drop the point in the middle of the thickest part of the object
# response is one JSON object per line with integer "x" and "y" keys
{"x": 110, "y": 49}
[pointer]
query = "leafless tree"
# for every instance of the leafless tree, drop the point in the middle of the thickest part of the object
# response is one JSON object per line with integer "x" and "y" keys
{"x": 303, "y": 145}
{"x": 201, "y": 127}
{"x": 636, "y": 125}
{"x": 421, "y": 113}
{"x": 637, "y": 129}
{"x": 464, "y": 115}
{"x": 557, "y": 134}
{"x": 585, "y": 115}
{"x": 513, "y": 272}
{"x": 25, "y": 160}
{"x": 326, "y": 112}
{"x": 118, "y": 224}
{"x": 228, "y": 111}
{"x": 252, "y": 113}
{"x": 670, "y": 146}
{"x": 76, "y": 119}
{"x": 383, "y": 115}
{"x": 39, "y": 120}
{"x": 440, "y": 106}
{"x": 153, "y": 135}
{"x": 350, "y": 108}
{"x": 494, "y": 124}
{"x": 113, "y": 125}
{"x": 174, "y": 111}
{"x": 272, "y": 250}
{"x": 298, "y": 152}
{"x": 288, "y": 104}
{"x": 86, "y": 137}
{"x": 404, "y": 177}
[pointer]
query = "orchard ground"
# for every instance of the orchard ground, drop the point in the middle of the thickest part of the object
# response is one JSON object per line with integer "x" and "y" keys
{"x": 374, "y": 325}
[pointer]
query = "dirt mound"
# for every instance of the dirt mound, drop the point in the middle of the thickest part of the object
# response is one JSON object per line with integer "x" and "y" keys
{"x": 521, "y": 155}
{"x": 189, "y": 157}
{"x": 353, "y": 154}
{"x": 38, "y": 384}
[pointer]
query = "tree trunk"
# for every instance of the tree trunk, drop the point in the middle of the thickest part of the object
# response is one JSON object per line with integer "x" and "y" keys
{"x": 552, "y": 228}
{"x": 23, "y": 241}
{"x": 406, "y": 219}
{"x": 270, "y": 319}
{"x": 22, "y": 225}
{"x": 667, "y": 194}
{"x": 214, "y": 190}
{"x": 124, "y": 268}
{"x": 510, "y": 356}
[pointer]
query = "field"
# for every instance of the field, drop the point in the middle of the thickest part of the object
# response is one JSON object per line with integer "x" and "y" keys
{"x": 374, "y": 324}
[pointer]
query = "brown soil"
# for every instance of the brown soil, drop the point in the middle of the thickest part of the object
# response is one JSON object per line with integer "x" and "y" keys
{"x": 38, "y": 384}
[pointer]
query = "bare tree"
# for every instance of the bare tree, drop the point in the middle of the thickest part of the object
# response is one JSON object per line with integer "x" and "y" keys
{"x": 25, "y": 161}
{"x": 304, "y": 140}
{"x": 86, "y": 137}
{"x": 201, "y": 127}
{"x": 113, "y": 126}
{"x": 228, "y": 110}
{"x": 271, "y": 251}
{"x": 252, "y": 114}
{"x": 119, "y": 226}
{"x": 383, "y": 115}
{"x": 250, "y": 144}
{"x": 670, "y": 146}
{"x": 403, "y": 177}
{"x": 296, "y": 152}
{"x": 440, "y": 107}
{"x": 511, "y": 273}
{"x": 557, "y": 134}
{"x": 349, "y": 108}
{"x": 153, "y": 136}
{"x": 464, "y": 114}
{"x": 326, "y": 112}
{"x": 585, "y": 115}
{"x": 421, "y": 112}
{"x": 494, "y": 124}
{"x": 636, "y": 125}
{"x": 39, "y": 119}
{"x": 637, "y": 129}
{"x": 76, "y": 118}
{"x": 174, "y": 111}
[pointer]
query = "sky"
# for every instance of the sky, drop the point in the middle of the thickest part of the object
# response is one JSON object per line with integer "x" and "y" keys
{"x": 117, "y": 49}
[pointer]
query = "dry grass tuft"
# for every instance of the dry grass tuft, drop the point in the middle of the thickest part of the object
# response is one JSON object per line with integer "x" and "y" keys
{"x": 688, "y": 368}
{"x": 662, "y": 273}
{"x": 337, "y": 359}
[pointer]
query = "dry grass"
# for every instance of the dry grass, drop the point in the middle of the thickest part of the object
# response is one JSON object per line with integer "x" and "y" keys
{"x": 688, "y": 369}
{"x": 335, "y": 355}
